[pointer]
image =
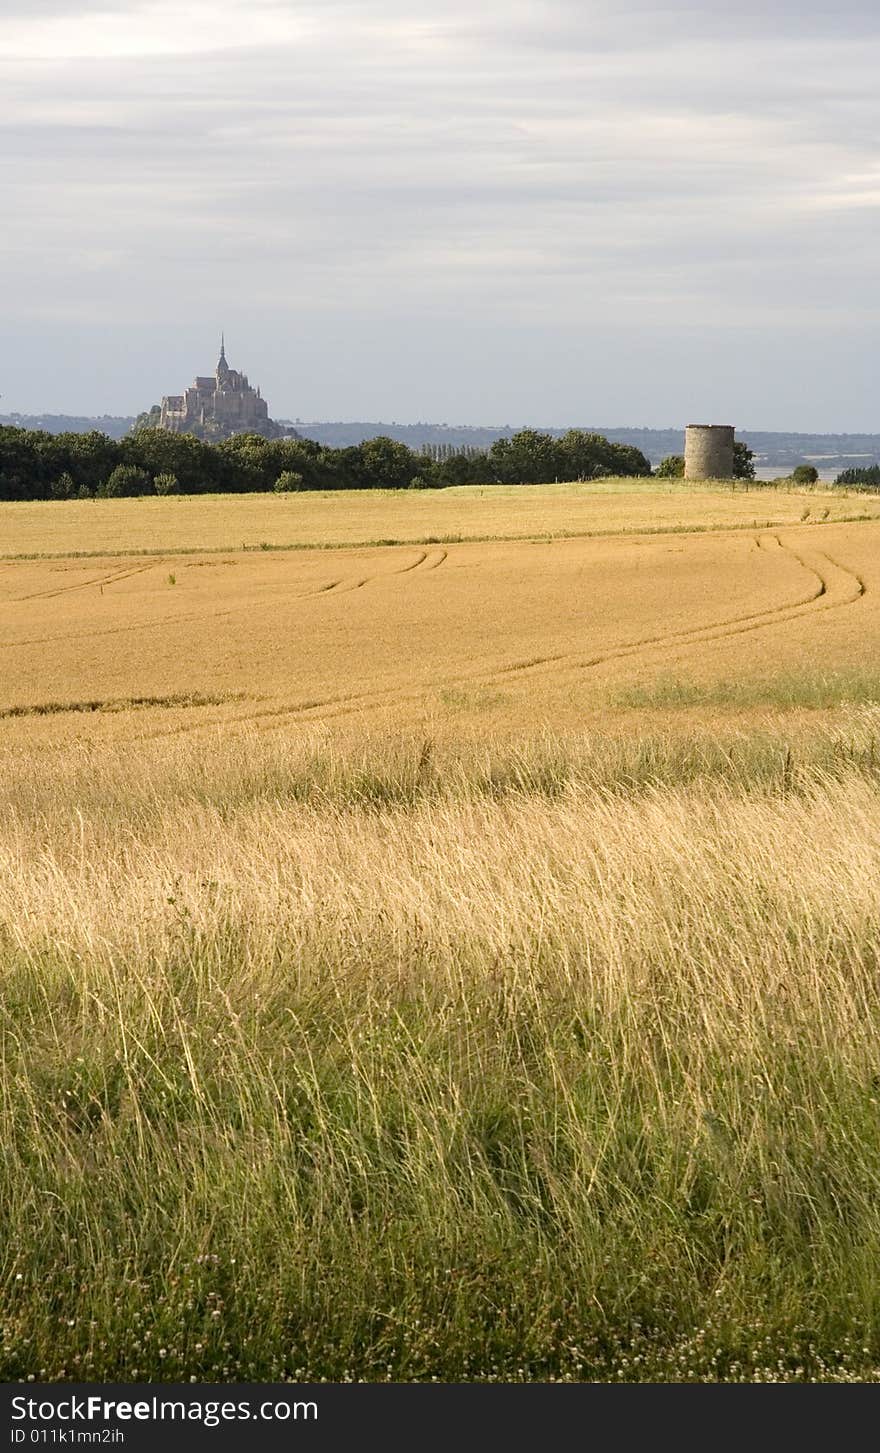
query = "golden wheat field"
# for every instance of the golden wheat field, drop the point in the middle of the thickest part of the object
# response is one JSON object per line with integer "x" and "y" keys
{"x": 565, "y": 609}
{"x": 354, "y": 517}
{"x": 448, "y": 957}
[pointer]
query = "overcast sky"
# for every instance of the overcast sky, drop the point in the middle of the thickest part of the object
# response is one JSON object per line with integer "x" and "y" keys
{"x": 477, "y": 211}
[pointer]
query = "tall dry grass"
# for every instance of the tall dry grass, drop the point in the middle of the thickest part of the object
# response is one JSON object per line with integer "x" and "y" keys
{"x": 560, "y": 1063}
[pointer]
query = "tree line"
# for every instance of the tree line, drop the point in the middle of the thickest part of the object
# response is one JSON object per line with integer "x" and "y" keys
{"x": 867, "y": 477}
{"x": 38, "y": 465}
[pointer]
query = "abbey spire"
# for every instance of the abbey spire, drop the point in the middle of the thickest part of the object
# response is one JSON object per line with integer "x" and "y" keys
{"x": 219, "y": 406}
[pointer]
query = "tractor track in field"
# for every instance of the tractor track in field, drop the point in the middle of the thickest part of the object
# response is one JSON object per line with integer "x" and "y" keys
{"x": 825, "y": 594}
{"x": 834, "y": 586}
{"x": 424, "y": 563}
{"x": 99, "y": 581}
{"x": 342, "y": 586}
{"x": 420, "y": 560}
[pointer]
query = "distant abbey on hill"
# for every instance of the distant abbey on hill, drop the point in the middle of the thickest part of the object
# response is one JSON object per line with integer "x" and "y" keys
{"x": 218, "y": 406}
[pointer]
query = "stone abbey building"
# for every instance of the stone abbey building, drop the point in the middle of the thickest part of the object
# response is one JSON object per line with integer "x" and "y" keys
{"x": 218, "y": 406}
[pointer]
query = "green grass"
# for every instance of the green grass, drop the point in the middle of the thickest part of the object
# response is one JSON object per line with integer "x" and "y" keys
{"x": 481, "y": 698}
{"x": 397, "y": 1064}
{"x": 783, "y": 690}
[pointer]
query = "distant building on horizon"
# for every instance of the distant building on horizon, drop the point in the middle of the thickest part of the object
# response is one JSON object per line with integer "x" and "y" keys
{"x": 219, "y": 405}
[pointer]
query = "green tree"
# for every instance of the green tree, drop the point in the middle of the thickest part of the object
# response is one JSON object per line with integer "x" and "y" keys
{"x": 21, "y": 472}
{"x": 64, "y": 487}
{"x": 865, "y": 477}
{"x": 457, "y": 467}
{"x": 672, "y": 467}
{"x": 91, "y": 457}
{"x": 586, "y": 456}
{"x": 50, "y": 460}
{"x": 743, "y": 461}
{"x": 159, "y": 451}
{"x": 629, "y": 461}
{"x": 805, "y": 474}
{"x": 166, "y": 484}
{"x": 126, "y": 480}
{"x": 288, "y": 481}
{"x": 246, "y": 462}
{"x": 386, "y": 463}
{"x": 305, "y": 457}
{"x": 528, "y": 457}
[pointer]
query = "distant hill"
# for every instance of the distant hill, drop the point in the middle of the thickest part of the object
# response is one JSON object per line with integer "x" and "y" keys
{"x": 113, "y": 424}
{"x": 773, "y": 451}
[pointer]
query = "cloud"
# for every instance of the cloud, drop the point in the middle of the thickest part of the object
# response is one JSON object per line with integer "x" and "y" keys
{"x": 54, "y": 32}
{"x": 400, "y": 171}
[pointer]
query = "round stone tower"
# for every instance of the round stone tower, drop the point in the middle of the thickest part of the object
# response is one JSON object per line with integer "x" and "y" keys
{"x": 708, "y": 451}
